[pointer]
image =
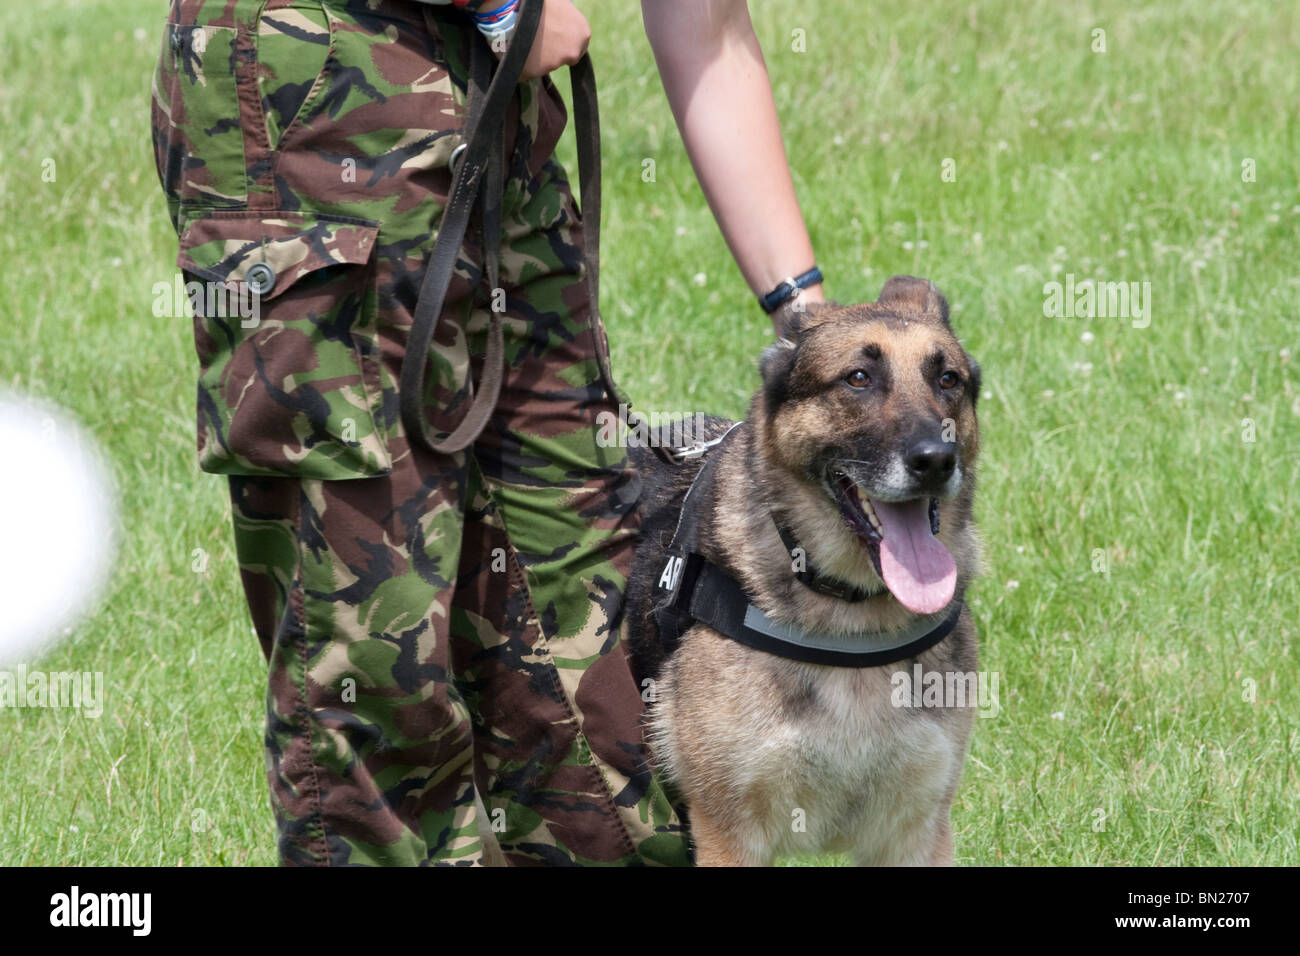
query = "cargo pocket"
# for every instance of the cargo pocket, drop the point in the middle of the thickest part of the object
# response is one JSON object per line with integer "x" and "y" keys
{"x": 198, "y": 140}
{"x": 285, "y": 314}
{"x": 294, "y": 45}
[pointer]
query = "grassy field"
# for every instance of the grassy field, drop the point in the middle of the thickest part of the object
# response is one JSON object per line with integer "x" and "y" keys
{"x": 1139, "y": 486}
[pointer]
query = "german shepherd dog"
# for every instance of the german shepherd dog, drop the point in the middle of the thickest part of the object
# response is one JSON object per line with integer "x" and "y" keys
{"x": 860, "y": 447}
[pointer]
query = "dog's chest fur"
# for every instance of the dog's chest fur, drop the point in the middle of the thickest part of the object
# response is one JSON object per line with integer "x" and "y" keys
{"x": 823, "y": 758}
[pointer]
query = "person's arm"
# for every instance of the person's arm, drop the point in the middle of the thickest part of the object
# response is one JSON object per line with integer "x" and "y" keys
{"x": 717, "y": 84}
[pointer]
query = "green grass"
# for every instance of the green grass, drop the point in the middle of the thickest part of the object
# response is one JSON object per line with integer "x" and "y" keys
{"x": 1121, "y": 692}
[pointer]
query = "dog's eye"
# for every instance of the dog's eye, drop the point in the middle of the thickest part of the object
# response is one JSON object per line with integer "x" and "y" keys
{"x": 949, "y": 379}
{"x": 858, "y": 378}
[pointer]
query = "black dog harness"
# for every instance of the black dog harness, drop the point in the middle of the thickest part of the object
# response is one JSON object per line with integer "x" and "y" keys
{"x": 691, "y": 589}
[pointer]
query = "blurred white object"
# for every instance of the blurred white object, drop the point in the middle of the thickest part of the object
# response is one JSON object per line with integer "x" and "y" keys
{"x": 57, "y": 525}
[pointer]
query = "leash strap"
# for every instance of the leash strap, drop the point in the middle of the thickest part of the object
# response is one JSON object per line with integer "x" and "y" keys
{"x": 486, "y": 111}
{"x": 479, "y": 179}
{"x": 586, "y": 121}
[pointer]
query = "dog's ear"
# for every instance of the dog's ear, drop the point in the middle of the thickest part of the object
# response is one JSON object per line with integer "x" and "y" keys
{"x": 775, "y": 367}
{"x": 910, "y": 294}
{"x": 975, "y": 380}
{"x": 795, "y": 318}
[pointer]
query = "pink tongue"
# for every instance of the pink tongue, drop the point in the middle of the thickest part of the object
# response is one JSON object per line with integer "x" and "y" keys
{"x": 917, "y": 568}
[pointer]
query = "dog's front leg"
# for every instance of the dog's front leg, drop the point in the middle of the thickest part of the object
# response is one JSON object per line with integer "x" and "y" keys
{"x": 927, "y": 842}
{"x": 942, "y": 850}
{"x": 716, "y": 844}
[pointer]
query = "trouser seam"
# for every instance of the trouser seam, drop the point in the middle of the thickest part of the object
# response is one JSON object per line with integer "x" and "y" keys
{"x": 298, "y": 603}
{"x": 581, "y": 736}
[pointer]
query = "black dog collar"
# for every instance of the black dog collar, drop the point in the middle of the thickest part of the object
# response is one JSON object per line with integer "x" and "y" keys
{"x": 822, "y": 583}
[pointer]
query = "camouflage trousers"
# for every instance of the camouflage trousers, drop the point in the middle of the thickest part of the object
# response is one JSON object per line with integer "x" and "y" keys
{"x": 441, "y": 631}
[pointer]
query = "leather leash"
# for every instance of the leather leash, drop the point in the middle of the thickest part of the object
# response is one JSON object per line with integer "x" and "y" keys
{"x": 479, "y": 178}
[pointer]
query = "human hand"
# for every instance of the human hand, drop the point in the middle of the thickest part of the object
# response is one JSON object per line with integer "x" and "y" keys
{"x": 562, "y": 37}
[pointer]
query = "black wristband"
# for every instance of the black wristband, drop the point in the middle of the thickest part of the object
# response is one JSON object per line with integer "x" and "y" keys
{"x": 788, "y": 289}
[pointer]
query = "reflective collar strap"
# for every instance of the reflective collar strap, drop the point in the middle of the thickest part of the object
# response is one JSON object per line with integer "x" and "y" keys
{"x": 715, "y": 599}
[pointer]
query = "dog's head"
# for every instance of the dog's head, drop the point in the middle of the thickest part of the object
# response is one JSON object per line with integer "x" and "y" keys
{"x": 873, "y": 407}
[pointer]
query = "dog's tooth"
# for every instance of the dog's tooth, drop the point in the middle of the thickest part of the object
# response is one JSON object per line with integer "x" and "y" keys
{"x": 867, "y": 510}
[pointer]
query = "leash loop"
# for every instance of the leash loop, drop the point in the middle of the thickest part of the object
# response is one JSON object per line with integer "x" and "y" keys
{"x": 477, "y": 166}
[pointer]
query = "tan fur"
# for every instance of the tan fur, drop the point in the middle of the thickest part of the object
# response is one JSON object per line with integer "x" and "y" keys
{"x": 731, "y": 726}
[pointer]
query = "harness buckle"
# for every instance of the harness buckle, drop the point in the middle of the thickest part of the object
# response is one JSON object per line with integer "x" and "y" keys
{"x": 685, "y": 452}
{"x": 697, "y": 449}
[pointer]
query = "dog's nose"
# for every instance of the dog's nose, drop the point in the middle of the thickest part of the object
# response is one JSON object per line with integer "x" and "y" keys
{"x": 931, "y": 460}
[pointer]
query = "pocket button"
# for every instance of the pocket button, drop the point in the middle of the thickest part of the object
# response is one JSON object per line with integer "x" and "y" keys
{"x": 260, "y": 278}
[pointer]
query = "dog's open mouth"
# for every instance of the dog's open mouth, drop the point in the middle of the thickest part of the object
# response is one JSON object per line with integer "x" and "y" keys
{"x": 900, "y": 536}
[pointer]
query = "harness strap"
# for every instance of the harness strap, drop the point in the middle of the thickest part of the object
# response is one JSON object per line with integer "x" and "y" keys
{"x": 715, "y": 599}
